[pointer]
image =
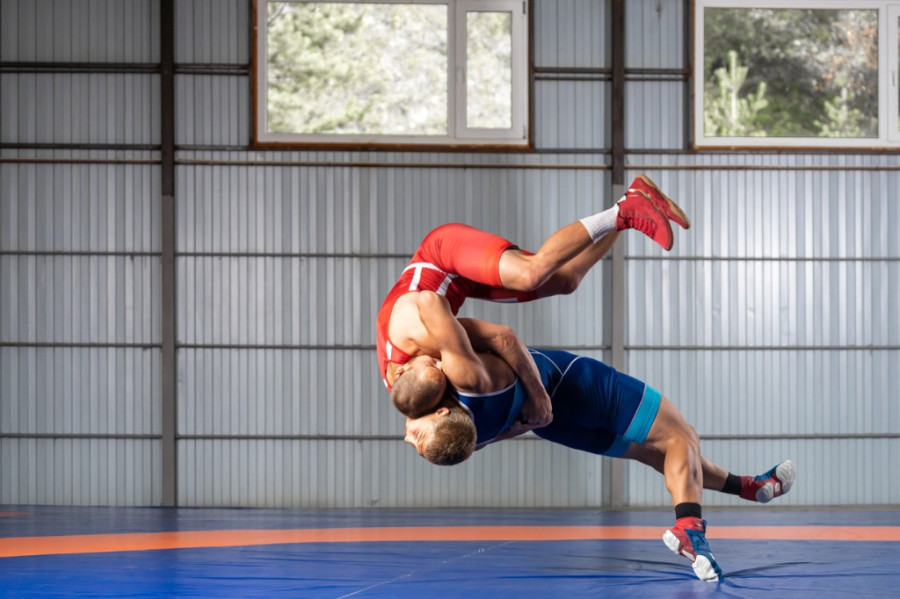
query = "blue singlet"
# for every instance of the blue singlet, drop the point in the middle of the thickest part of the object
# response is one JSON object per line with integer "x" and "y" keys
{"x": 595, "y": 407}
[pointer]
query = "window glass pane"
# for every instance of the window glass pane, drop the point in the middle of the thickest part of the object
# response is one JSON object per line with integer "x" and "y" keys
{"x": 489, "y": 70}
{"x": 357, "y": 69}
{"x": 790, "y": 73}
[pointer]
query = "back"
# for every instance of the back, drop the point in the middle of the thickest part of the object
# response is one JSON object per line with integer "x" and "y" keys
{"x": 495, "y": 412}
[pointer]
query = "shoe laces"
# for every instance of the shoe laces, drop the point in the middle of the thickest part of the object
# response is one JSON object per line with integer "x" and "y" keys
{"x": 644, "y": 225}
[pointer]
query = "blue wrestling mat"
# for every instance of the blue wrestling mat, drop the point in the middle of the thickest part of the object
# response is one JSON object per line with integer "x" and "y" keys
{"x": 184, "y": 552}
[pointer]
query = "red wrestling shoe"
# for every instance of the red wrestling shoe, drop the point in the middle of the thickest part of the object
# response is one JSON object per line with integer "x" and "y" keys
{"x": 637, "y": 211}
{"x": 688, "y": 539}
{"x": 769, "y": 485}
{"x": 665, "y": 204}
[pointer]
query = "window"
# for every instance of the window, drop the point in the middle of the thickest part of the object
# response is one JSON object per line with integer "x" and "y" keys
{"x": 796, "y": 73}
{"x": 451, "y": 72}
{"x": 894, "y": 70}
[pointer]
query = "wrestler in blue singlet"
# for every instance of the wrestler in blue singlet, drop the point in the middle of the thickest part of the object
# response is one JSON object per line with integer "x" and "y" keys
{"x": 595, "y": 407}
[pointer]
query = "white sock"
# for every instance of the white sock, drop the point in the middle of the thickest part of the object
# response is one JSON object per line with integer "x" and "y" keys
{"x": 602, "y": 223}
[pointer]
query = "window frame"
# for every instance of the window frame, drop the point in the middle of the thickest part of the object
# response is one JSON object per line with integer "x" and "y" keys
{"x": 459, "y": 135}
{"x": 888, "y": 138}
{"x": 893, "y": 42}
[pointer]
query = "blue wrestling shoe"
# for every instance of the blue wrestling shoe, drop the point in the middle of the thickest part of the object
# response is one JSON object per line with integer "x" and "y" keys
{"x": 774, "y": 483}
{"x": 688, "y": 539}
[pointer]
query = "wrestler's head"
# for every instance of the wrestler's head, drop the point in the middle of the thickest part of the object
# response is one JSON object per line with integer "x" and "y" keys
{"x": 418, "y": 387}
{"x": 445, "y": 437}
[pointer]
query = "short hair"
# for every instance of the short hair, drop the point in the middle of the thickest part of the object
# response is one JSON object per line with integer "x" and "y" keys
{"x": 416, "y": 394}
{"x": 452, "y": 440}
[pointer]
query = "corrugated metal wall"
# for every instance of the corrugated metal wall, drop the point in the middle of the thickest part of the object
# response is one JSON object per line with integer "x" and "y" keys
{"x": 770, "y": 324}
{"x": 79, "y": 247}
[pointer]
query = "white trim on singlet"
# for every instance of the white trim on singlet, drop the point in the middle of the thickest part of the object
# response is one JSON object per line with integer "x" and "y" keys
{"x": 562, "y": 373}
{"x": 467, "y": 409}
{"x": 497, "y": 392}
{"x": 418, "y": 266}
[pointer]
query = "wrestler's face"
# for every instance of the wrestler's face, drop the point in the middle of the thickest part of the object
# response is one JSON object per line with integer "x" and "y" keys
{"x": 419, "y": 430}
{"x": 420, "y": 364}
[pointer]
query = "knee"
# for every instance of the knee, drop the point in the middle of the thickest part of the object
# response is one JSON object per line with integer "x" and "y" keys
{"x": 567, "y": 284}
{"x": 528, "y": 277}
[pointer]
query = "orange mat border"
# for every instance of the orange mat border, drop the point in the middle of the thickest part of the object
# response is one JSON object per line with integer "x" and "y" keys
{"x": 105, "y": 543}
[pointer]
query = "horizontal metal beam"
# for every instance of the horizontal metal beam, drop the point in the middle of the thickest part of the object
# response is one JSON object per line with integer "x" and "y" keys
{"x": 79, "y": 253}
{"x": 81, "y": 436}
{"x": 77, "y": 146}
{"x": 79, "y": 345}
{"x": 152, "y": 68}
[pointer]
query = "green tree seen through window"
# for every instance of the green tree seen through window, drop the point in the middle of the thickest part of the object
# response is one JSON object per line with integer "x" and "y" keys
{"x": 790, "y": 72}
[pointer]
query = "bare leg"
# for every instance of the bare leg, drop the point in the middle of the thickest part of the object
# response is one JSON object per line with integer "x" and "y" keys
{"x": 526, "y": 272}
{"x": 567, "y": 279}
{"x": 679, "y": 446}
{"x": 646, "y": 210}
{"x": 713, "y": 475}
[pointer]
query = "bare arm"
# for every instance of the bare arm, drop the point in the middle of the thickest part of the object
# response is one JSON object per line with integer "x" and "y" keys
{"x": 537, "y": 411}
{"x": 517, "y": 428}
{"x": 460, "y": 363}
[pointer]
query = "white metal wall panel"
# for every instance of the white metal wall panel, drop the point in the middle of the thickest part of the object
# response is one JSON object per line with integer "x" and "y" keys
{"x": 280, "y": 268}
{"x": 746, "y": 393}
{"x": 654, "y": 115}
{"x": 790, "y": 272}
{"x": 79, "y": 31}
{"x": 796, "y": 209}
{"x": 307, "y": 392}
{"x": 79, "y": 391}
{"x": 856, "y": 462}
{"x": 80, "y": 299}
{"x": 571, "y": 33}
{"x": 212, "y": 110}
{"x": 571, "y": 114}
{"x": 262, "y": 334}
{"x": 385, "y": 209}
{"x": 763, "y": 303}
{"x": 349, "y": 473}
{"x": 654, "y": 35}
{"x": 80, "y": 472}
{"x": 79, "y": 376}
{"x": 276, "y": 301}
{"x": 95, "y": 108}
{"x": 79, "y": 207}
{"x": 212, "y": 31}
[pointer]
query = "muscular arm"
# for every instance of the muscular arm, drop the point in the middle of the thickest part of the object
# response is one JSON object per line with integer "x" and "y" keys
{"x": 460, "y": 363}
{"x": 467, "y": 371}
{"x": 501, "y": 340}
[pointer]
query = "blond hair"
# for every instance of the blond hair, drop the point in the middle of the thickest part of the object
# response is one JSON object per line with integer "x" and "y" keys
{"x": 452, "y": 440}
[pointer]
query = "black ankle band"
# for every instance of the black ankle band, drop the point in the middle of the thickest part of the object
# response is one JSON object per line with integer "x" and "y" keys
{"x": 732, "y": 484}
{"x": 688, "y": 510}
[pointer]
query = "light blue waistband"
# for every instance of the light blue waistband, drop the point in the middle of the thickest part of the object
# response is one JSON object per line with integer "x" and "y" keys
{"x": 640, "y": 425}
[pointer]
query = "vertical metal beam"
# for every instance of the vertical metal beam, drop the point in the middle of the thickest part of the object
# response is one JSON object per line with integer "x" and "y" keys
{"x": 167, "y": 268}
{"x": 615, "y": 480}
{"x": 688, "y": 47}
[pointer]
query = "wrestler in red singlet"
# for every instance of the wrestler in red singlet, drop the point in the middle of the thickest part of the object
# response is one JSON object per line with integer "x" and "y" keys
{"x": 456, "y": 261}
